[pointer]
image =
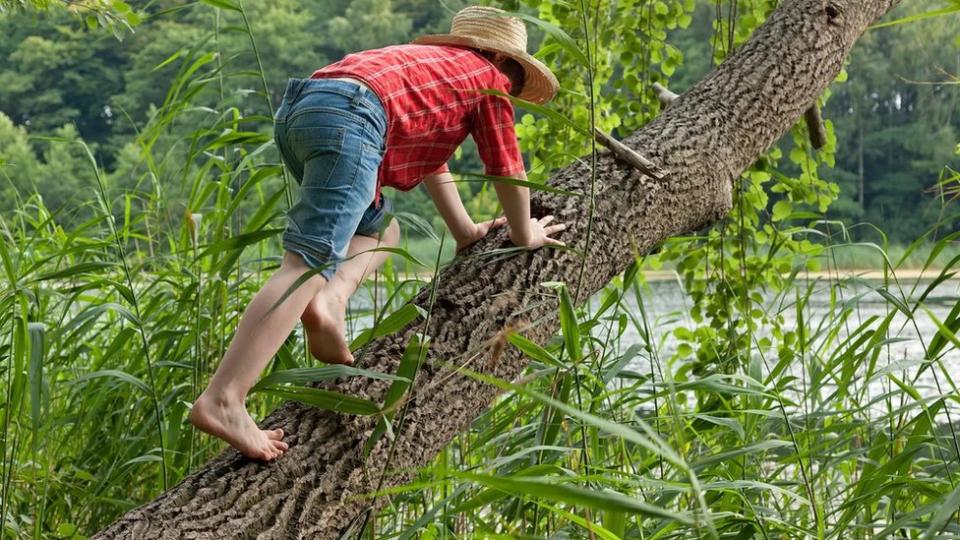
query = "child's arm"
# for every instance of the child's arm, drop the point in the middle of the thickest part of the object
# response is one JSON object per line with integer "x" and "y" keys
{"x": 525, "y": 231}
{"x": 493, "y": 131}
{"x": 446, "y": 197}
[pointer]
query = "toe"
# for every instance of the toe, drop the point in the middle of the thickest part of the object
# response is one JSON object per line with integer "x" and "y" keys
{"x": 342, "y": 360}
{"x": 280, "y": 446}
{"x": 274, "y": 434}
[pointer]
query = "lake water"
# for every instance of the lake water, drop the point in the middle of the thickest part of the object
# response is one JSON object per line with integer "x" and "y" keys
{"x": 667, "y": 306}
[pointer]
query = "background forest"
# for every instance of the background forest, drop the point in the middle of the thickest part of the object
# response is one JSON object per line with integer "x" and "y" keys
{"x": 141, "y": 203}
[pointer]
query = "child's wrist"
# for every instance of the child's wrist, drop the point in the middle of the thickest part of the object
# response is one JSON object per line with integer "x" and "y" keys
{"x": 520, "y": 238}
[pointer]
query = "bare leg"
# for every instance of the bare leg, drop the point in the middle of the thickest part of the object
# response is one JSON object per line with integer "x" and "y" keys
{"x": 220, "y": 410}
{"x": 323, "y": 319}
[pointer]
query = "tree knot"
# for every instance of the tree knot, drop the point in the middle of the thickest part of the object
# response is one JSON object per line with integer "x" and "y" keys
{"x": 834, "y": 13}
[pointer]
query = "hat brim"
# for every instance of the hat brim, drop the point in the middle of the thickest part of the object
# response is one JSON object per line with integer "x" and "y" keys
{"x": 539, "y": 86}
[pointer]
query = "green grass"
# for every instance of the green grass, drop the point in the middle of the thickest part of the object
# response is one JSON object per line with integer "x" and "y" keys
{"x": 626, "y": 441}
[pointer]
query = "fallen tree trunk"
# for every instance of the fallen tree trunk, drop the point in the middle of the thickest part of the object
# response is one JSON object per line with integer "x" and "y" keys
{"x": 706, "y": 138}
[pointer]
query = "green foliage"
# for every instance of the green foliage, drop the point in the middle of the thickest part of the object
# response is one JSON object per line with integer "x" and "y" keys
{"x": 896, "y": 123}
{"x": 751, "y": 413}
{"x": 367, "y": 24}
{"x": 59, "y": 71}
{"x": 17, "y": 161}
{"x": 115, "y": 15}
{"x": 24, "y": 174}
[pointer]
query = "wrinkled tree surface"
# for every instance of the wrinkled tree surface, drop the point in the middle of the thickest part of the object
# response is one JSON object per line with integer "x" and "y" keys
{"x": 703, "y": 141}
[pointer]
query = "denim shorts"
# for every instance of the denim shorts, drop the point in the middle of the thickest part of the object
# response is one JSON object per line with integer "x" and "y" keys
{"x": 331, "y": 136}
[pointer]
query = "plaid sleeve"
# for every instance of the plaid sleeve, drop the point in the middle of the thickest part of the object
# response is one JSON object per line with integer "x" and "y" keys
{"x": 440, "y": 170}
{"x": 496, "y": 138}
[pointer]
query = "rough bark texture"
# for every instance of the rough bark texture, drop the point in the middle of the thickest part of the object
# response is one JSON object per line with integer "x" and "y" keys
{"x": 706, "y": 138}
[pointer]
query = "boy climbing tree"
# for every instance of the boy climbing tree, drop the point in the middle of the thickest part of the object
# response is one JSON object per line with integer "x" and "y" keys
{"x": 384, "y": 117}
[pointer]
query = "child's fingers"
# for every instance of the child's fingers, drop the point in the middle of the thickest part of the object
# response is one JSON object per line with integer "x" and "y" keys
{"x": 555, "y": 228}
{"x": 554, "y": 242}
{"x": 546, "y": 219}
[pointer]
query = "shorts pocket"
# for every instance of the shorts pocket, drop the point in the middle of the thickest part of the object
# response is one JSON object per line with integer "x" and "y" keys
{"x": 325, "y": 157}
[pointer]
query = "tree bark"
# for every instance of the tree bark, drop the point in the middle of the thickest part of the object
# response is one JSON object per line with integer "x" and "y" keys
{"x": 703, "y": 141}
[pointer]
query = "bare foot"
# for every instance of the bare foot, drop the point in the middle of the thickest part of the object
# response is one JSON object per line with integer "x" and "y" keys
{"x": 232, "y": 423}
{"x": 323, "y": 324}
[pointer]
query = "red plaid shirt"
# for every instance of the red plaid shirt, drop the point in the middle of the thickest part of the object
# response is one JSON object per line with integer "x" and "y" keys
{"x": 429, "y": 93}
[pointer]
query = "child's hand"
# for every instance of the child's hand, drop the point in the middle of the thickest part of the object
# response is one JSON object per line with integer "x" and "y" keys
{"x": 538, "y": 234}
{"x": 479, "y": 231}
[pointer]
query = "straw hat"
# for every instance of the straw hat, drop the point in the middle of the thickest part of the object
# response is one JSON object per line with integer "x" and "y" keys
{"x": 492, "y": 29}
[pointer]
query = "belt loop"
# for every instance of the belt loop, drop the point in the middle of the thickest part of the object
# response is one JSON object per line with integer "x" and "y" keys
{"x": 358, "y": 95}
